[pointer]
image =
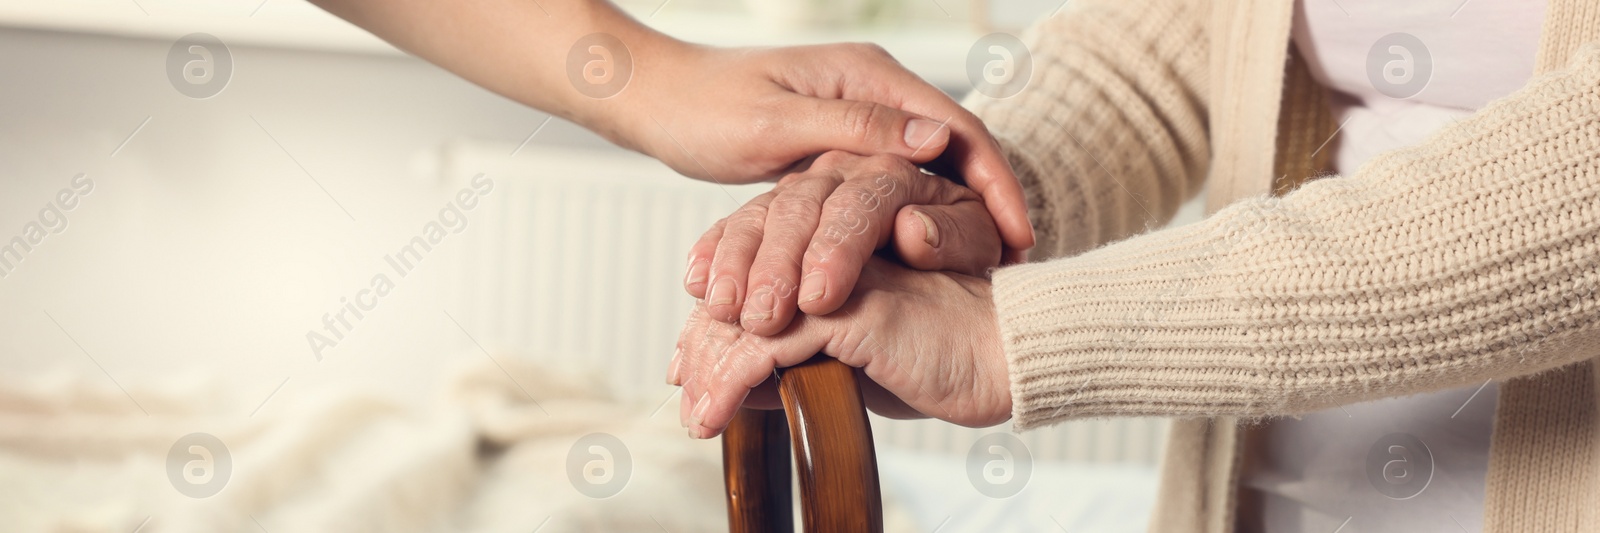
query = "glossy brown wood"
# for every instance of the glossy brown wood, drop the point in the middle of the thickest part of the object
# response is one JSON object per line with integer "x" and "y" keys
{"x": 833, "y": 451}
{"x": 834, "y": 456}
{"x": 755, "y": 469}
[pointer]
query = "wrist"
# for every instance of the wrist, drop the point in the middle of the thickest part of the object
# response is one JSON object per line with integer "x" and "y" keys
{"x": 997, "y": 367}
{"x": 658, "y": 63}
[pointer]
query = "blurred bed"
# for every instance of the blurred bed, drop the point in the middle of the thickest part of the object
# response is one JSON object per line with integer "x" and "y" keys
{"x": 499, "y": 451}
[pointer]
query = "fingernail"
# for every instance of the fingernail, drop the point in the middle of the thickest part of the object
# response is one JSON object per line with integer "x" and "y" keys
{"x": 930, "y": 233}
{"x": 683, "y": 409}
{"x": 700, "y": 407}
{"x": 919, "y": 131}
{"x": 697, "y": 273}
{"x": 721, "y": 292}
{"x": 760, "y": 307}
{"x": 813, "y": 287}
{"x": 672, "y": 370}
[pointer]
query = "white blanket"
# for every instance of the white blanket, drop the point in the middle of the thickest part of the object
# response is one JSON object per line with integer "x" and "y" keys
{"x": 77, "y": 455}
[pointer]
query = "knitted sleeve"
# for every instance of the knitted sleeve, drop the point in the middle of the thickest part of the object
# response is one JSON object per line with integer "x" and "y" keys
{"x": 1109, "y": 136}
{"x": 1474, "y": 255}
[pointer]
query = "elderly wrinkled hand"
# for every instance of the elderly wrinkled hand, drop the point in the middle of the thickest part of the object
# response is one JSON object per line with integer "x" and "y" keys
{"x": 930, "y": 339}
{"x": 803, "y": 244}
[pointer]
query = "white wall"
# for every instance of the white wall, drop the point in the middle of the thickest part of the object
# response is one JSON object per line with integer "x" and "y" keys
{"x": 203, "y": 247}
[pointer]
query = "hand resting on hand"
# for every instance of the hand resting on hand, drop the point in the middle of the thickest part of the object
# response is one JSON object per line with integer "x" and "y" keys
{"x": 928, "y": 342}
{"x": 804, "y": 243}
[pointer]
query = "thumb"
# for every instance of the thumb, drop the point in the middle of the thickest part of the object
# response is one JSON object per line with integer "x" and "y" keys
{"x": 960, "y": 237}
{"x": 866, "y": 128}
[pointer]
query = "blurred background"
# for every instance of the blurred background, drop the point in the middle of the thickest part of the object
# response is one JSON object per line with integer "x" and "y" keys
{"x": 211, "y": 239}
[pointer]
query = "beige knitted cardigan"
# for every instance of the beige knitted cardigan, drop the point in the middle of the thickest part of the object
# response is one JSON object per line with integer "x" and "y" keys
{"x": 1473, "y": 256}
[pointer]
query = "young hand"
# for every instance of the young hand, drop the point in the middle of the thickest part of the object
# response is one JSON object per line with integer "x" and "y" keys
{"x": 746, "y": 115}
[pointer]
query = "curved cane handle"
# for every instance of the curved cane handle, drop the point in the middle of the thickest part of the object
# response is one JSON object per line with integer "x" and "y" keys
{"x": 834, "y": 455}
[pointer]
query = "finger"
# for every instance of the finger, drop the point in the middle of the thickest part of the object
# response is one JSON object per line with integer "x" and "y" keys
{"x": 684, "y": 406}
{"x": 705, "y": 344}
{"x": 692, "y": 333}
{"x": 775, "y": 274}
{"x": 857, "y": 220}
{"x": 959, "y": 237}
{"x": 1012, "y": 256}
{"x": 741, "y": 238}
{"x": 866, "y": 128}
{"x": 688, "y": 334}
{"x": 977, "y": 158}
{"x": 866, "y": 73}
{"x": 686, "y": 355}
{"x": 746, "y": 363}
{"x": 700, "y": 257}
{"x": 971, "y": 151}
{"x": 673, "y": 378}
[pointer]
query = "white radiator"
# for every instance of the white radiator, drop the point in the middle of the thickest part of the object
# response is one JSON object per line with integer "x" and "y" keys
{"x": 577, "y": 259}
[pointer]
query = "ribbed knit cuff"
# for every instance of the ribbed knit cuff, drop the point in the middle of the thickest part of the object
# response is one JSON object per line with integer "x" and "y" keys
{"x": 1155, "y": 327}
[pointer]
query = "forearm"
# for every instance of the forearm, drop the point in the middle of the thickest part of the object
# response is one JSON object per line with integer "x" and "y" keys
{"x": 518, "y": 48}
{"x": 1473, "y": 256}
{"x": 1109, "y": 136}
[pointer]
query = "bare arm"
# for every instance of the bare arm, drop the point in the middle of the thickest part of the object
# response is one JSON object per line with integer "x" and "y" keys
{"x": 724, "y": 115}
{"x": 517, "y": 48}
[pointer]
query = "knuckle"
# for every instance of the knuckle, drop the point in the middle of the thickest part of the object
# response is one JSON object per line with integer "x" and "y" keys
{"x": 829, "y": 159}
{"x": 750, "y": 217}
{"x": 720, "y": 334}
{"x": 766, "y": 123}
{"x": 955, "y": 192}
{"x": 858, "y": 198}
{"x": 839, "y": 232}
{"x": 746, "y": 352}
{"x": 741, "y": 344}
{"x": 736, "y": 246}
{"x": 871, "y": 50}
{"x": 734, "y": 255}
{"x": 862, "y": 119}
{"x": 826, "y": 244}
{"x": 793, "y": 177}
{"x": 836, "y": 164}
{"x": 885, "y": 165}
{"x": 793, "y": 225}
{"x": 789, "y": 210}
{"x": 707, "y": 244}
